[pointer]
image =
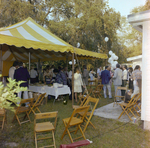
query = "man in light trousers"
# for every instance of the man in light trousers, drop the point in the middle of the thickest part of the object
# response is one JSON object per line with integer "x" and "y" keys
{"x": 105, "y": 75}
{"x": 117, "y": 80}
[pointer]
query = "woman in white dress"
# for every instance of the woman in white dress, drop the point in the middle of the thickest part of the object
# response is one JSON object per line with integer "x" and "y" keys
{"x": 77, "y": 83}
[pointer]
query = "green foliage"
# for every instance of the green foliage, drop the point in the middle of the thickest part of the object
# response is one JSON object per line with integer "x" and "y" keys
{"x": 86, "y": 22}
{"x": 7, "y": 93}
{"x": 130, "y": 38}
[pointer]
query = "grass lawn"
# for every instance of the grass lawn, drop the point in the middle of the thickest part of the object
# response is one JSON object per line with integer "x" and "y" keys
{"x": 108, "y": 134}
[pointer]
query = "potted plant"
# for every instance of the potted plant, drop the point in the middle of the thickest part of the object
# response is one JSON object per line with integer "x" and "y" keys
{"x": 8, "y": 94}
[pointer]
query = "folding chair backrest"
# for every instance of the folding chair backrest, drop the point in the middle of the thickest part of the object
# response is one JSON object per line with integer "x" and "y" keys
{"x": 136, "y": 98}
{"x": 133, "y": 100}
{"x": 26, "y": 101}
{"x": 92, "y": 82}
{"x": 46, "y": 115}
{"x": 79, "y": 110}
{"x": 99, "y": 87}
{"x": 91, "y": 100}
{"x": 40, "y": 98}
{"x": 84, "y": 100}
{"x": 120, "y": 88}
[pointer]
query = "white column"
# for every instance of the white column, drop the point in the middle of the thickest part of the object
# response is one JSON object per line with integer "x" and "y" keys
{"x": 145, "y": 112}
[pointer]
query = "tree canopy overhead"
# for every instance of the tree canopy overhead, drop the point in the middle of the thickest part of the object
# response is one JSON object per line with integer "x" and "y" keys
{"x": 86, "y": 21}
{"x": 130, "y": 38}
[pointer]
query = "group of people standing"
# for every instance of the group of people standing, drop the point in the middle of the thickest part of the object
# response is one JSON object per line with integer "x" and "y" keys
{"x": 120, "y": 78}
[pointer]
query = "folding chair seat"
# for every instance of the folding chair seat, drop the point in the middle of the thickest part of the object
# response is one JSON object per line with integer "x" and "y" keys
{"x": 97, "y": 92}
{"x": 116, "y": 96}
{"x": 2, "y": 117}
{"x": 75, "y": 121}
{"x": 38, "y": 102}
{"x": 23, "y": 110}
{"x": 129, "y": 107}
{"x": 43, "y": 128}
{"x": 90, "y": 101}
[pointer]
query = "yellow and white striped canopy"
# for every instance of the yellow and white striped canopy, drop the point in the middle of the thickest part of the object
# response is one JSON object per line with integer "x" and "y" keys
{"x": 17, "y": 40}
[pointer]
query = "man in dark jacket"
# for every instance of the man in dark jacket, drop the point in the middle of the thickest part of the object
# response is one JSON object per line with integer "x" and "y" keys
{"x": 22, "y": 74}
{"x": 105, "y": 76}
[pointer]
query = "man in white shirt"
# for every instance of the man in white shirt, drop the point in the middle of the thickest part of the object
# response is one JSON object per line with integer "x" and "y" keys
{"x": 99, "y": 70}
{"x": 12, "y": 69}
{"x": 124, "y": 79}
{"x": 33, "y": 75}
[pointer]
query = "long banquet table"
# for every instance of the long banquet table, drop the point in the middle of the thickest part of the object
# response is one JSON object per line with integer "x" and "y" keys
{"x": 50, "y": 90}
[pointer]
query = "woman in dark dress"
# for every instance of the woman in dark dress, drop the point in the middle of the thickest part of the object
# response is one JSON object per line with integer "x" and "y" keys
{"x": 130, "y": 80}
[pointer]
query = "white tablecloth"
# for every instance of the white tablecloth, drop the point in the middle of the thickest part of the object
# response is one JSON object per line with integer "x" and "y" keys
{"x": 51, "y": 90}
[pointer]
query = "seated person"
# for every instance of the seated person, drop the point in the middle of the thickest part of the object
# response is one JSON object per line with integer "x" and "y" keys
{"x": 58, "y": 78}
{"x": 63, "y": 76}
{"x": 47, "y": 77}
{"x": 33, "y": 75}
{"x": 129, "y": 95}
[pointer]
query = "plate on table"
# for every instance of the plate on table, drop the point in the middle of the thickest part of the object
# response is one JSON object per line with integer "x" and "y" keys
{"x": 60, "y": 85}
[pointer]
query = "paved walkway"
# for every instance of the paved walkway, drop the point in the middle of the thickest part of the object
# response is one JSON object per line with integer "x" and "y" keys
{"x": 110, "y": 112}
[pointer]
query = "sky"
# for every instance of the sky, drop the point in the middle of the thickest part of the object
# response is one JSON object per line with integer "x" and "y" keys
{"x": 125, "y": 6}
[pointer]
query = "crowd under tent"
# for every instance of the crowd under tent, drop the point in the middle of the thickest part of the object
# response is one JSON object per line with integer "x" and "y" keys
{"x": 28, "y": 39}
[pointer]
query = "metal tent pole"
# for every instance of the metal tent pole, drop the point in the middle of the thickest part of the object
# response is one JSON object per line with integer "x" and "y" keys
{"x": 72, "y": 78}
{"x": 29, "y": 63}
{"x": 1, "y": 62}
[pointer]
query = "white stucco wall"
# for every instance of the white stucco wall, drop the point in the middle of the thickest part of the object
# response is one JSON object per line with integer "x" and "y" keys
{"x": 141, "y": 22}
{"x": 145, "y": 115}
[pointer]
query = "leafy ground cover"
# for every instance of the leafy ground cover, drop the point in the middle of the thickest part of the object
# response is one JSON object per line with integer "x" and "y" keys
{"x": 108, "y": 134}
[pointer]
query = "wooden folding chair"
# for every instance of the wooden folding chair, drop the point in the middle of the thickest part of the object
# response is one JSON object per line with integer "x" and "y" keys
{"x": 37, "y": 103}
{"x": 23, "y": 110}
{"x": 44, "y": 128}
{"x": 75, "y": 121}
{"x": 91, "y": 86}
{"x": 129, "y": 107}
{"x": 97, "y": 92}
{"x": 2, "y": 117}
{"x": 89, "y": 114}
{"x": 116, "y": 96}
{"x": 135, "y": 102}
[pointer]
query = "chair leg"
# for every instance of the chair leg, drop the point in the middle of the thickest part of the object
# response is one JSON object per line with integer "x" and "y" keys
{"x": 70, "y": 136}
{"x": 53, "y": 139}
{"x": 81, "y": 132}
{"x": 28, "y": 117}
{"x": 14, "y": 118}
{"x": 38, "y": 109}
{"x": 3, "y": 122}
{"x": 122, "y": 112}
{"x": 18, "y": 120}
{"x": 35, "y": 140}
{"x": 64, "y": 131}
{"x": 87, "y": 123}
